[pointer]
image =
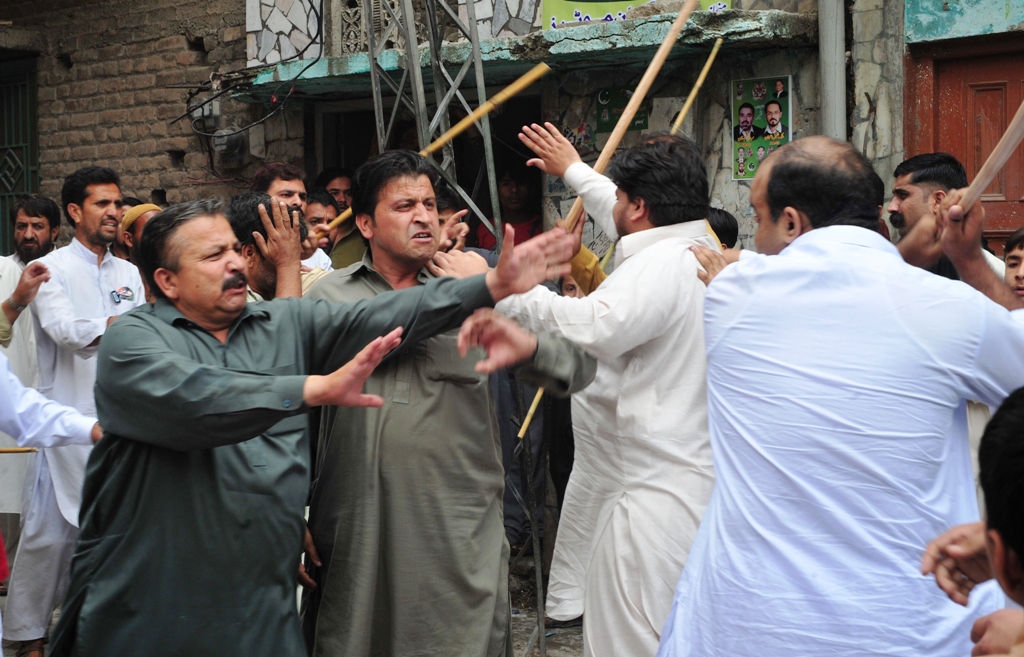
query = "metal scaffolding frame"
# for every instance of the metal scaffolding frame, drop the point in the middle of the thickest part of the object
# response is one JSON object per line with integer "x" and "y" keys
{"x": 397, "y": 24}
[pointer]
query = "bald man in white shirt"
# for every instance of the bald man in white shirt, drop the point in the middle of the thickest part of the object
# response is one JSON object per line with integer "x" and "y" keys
{"x": 837, "y": 382}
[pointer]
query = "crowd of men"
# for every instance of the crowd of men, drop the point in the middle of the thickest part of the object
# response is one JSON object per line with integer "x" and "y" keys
{"x": 766, "y": 444}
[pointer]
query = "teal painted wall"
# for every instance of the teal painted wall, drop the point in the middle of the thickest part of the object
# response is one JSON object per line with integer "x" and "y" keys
{"x": 932, "y": 20}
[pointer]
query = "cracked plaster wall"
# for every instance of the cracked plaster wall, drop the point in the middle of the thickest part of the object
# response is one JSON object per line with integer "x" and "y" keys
{"x": 877, "y": 116}
{"x": 568, "y": 101}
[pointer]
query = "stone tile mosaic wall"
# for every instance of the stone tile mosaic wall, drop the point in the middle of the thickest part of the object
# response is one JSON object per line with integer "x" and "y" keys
{"x": 278, "y": 30}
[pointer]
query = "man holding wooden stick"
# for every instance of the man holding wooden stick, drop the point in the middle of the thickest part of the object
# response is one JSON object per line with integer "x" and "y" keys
{"x": 837, "y": 381}
{"x": 643, "y": 473}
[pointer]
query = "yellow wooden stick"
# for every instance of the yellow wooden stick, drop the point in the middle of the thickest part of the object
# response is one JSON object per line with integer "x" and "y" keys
{"x": 696, "y": 87}
{"x": 633, "y": 105}
{"x": 531, "y": 76}
{"x": 17, "y": 450}
{"x": 529, "y": 414}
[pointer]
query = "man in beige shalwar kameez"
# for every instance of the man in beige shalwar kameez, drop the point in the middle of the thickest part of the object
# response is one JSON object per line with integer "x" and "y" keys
{"x": 406, "y": 509}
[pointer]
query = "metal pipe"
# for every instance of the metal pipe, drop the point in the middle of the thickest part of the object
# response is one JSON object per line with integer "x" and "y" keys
{"x": 832, "y": 68}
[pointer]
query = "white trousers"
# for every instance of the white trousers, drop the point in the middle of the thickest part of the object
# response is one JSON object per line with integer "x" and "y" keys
{"x": 39, "y": 576}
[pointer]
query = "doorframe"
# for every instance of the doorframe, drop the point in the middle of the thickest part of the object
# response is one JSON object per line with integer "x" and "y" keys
{"x": 20, "y": 67}
{"x": 921, "y": 86}
{"x": 921, "y": 89}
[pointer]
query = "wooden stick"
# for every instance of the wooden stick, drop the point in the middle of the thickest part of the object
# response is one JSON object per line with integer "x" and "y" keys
{"x": 696, "y": 87}
{"x": 613, "y": 140}
{"x": 17, "y": 450}
{"x": 1000, "y": 154}
{"x": 531, "y": 76}
{"x": 529, "y": 414}
{"x": 633, "y": 105}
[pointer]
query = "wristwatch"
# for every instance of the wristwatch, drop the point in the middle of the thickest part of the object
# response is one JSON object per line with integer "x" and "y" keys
{"x": 12, "y": 304}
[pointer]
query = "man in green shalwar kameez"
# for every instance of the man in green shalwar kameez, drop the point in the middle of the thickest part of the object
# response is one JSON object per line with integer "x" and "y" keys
{"x": 191, "y": 521}
{"x": 406, "y": 508}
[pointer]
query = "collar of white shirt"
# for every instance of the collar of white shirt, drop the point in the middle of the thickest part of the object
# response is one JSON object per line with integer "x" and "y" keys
{"x": 79, "y": 249}
{"x": 630, "y": 245}
{"x": 853, "y": 235}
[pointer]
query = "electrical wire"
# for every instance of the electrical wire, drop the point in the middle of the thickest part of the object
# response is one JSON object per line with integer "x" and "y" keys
{"x": 245, "y": 77}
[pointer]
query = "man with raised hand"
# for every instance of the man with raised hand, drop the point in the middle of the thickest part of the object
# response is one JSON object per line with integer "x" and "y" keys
{"x": 406, "y": 507}
{"x": 192, "y": 512}
{"x": 643, "y": 474}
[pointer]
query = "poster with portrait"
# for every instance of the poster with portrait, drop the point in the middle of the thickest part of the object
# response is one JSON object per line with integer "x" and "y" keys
{"x": 761, "y": 120}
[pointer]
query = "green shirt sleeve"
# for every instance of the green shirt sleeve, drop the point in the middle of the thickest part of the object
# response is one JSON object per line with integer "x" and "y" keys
{"x": 560, "y": 366}
{"x": 6, "y": 331}
{"x": 174, "y": 401}
{"x": 340, "y": 330}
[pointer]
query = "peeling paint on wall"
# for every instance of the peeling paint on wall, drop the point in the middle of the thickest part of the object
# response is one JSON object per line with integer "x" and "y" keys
{"x": 932, "y": 20}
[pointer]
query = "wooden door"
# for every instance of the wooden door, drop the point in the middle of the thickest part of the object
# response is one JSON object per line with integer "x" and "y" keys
{"x": 963, "y": 109}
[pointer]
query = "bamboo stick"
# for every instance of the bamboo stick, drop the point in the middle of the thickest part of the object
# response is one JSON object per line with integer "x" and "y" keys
{"x": 633, "y": 105}
{"x": 696, "y": 87}
{"x": 17, "y": 450}
{"x": 613, "y": 140}
{"x": 531, "y": 76}
{"x": 1000, "y": 154}
{"x": 529, "y": 414}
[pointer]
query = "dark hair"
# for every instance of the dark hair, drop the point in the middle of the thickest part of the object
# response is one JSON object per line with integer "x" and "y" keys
{"x": 271, "y": 171}
{"x": 516, "y": 169}
{"x": 1001, "y": 471}
{"x": 155, "y": 251}
{"x": 37, "y": 205}
{"x": 323, "y": 197}
{"x": 772, "y": 102}
{"x": 75, "y": 186}
{"x": 939, "y": 169}
{"x": 879, "y": 187}
{"x": 832, "y": 186}
{"x": 724, "y": 225}
{"x": 374, "y": 174}
{"x": 1014, "y": 242}
{"x": 130, "y": 201}
{"x": 667, "y": 172}
{"x": 446, "y": 198}
{"x": 747, "y": 105}
{"x": 243, "y": 213}
{"x": 329, "y": 174}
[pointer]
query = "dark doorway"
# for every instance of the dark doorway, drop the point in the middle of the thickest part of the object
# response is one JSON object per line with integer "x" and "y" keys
{"x": 19, "y": 138}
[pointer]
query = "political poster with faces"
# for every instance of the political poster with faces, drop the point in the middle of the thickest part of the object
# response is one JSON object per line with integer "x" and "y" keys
{"x": 761, "y": 120}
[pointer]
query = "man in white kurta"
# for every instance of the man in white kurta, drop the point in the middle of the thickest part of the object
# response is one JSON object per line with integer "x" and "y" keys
{"x": 837, "y": 380}
{"x": 88, "y": 287}
{"x": 36, "y": 225}
{"x": 642, "y": 474}
{"x": 32, "y": 420}
{"x": 12, "y": 467}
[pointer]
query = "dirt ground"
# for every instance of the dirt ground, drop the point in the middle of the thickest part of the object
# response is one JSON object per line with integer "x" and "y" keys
{"x": 561, "y": 642}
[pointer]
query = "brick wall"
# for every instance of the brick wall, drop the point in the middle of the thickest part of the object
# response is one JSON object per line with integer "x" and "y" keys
{"x": 105, "y": 77}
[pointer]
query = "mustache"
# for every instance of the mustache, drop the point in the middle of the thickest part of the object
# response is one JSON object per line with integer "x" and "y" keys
{"x": 897, "y": 220}
{"x": 237, "y": 280}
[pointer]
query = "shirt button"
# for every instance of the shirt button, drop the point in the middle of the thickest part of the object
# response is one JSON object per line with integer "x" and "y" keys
{"x": 287, "y": 403}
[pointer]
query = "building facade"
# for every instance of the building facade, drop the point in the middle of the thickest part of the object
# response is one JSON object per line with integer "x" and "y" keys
{"x": 108, "y": 82}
